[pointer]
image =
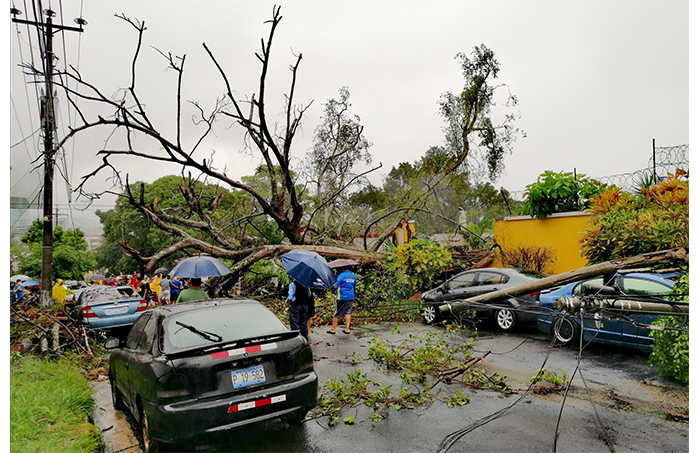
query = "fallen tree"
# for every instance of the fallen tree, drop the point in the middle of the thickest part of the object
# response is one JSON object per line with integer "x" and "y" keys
{"x": 647, "y": 259}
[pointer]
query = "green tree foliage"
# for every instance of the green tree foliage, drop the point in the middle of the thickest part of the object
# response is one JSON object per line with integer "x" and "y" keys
{"x": 439, "y": 212}
{"x": 406, "y": 270}
{"x": 339, "y": 145}
{"x": 671, "y": 348}
{"x": 71, "y": 258}
{"x": 627, "y": 225}
{"x": 126, "y": 224}
{"x": 468, "y": 113}
{"x": 559, "y": 192}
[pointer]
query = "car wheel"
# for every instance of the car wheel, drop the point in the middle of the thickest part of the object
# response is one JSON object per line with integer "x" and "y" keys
{"x": 149, "y": 445}
{"x": 117, "y": 399}
{"x": 565, "y": 329}
{"x": 431, "y": 314}
{"x": 505, "y": 318}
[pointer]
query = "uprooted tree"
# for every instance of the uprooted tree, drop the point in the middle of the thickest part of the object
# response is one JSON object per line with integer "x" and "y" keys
{"x": 276, "y": 193}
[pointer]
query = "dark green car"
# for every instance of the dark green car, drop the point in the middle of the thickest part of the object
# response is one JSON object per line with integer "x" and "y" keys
{"x": 197, "y": 371}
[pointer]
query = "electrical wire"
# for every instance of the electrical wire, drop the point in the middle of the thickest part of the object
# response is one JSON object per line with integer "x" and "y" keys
{"x": 566, "y": 393}
{"x": 449, "y": 440}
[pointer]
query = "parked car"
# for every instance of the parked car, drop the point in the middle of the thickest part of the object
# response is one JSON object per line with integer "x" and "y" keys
{"x": 566, "y": 328}
{"x": 107, "y": 307}
{"x": 74, "y": 288}
{"x": 507, "y": 314}
{"x": 196, "y": 370}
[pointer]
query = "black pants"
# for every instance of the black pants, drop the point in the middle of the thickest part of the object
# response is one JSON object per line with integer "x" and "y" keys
{"x": 298, "y": 317}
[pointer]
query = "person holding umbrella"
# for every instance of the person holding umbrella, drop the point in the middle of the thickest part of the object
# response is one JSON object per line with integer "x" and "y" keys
{"x": 193, "y": 292}
{"x": 298, "y": 298}
{"x": 345, "y": 294}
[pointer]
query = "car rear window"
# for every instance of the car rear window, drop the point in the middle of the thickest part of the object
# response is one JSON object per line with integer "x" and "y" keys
{"x": 100, "y": 294}
{"x": 230, "y": 322}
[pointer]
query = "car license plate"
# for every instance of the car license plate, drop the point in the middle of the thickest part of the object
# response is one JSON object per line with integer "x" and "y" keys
{"x": 248, "y": 376}
{"x": 116, "y": 311}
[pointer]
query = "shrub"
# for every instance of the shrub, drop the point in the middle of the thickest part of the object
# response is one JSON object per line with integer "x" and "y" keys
{"x": 535, "y": 259}
{"x": 671, "y": 348}
{"x": 627, "y": 225}
{"x": 559, "y": 192}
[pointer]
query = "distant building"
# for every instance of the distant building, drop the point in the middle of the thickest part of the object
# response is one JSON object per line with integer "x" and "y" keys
{"x": 22, "y": 214}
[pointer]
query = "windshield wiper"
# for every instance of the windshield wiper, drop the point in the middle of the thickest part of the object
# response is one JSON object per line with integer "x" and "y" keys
{"x": 206, "y": 335}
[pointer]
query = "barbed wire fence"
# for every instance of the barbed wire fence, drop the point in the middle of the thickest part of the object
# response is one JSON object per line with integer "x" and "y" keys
{"x": 665, "y": 160}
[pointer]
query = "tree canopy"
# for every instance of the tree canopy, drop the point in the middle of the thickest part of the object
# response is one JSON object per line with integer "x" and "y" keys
{"x": 281, "y": 205}
{"x": 71, "y": 258}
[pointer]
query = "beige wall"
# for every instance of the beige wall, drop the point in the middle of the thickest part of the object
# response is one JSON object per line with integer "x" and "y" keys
{"x": 558, "y": 232}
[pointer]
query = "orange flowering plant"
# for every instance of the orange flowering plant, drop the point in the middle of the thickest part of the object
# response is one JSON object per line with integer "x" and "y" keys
{"x": 656, "y": 218}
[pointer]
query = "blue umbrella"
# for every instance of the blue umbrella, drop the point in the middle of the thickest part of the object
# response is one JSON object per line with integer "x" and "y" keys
{"x": 199, "y": 267}
{"x": 308, "y": 268}
{"x": 30, "y": 284}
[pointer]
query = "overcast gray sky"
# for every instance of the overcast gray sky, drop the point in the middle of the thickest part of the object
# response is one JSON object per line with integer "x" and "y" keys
{"x": 597, "y": 81}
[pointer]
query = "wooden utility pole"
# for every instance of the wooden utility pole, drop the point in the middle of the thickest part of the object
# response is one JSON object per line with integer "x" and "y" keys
{"x": 595, "y": 270}
{"x": 48, "y": 126}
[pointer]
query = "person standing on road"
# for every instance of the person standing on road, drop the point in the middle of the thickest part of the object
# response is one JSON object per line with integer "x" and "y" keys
{"x": 298, "y": 298}
{"x": 193, "y": 292}
{"x": 59, "y": 292}
{"x": 345, "y": 294}
{"x": 134, "y": 282}
{"x": 175, "y": 287}
{"x": 164, "y": 295}
{"x": 311, "y": 311}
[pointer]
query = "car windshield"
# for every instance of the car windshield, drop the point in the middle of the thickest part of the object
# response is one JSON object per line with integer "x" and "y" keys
{"x": 224, "y": 323}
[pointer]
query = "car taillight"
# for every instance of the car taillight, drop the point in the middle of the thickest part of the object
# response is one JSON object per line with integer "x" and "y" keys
{"x": 143, "y": 305}
{"x": 88, "y": 313}
{"x": 173, "y": 385}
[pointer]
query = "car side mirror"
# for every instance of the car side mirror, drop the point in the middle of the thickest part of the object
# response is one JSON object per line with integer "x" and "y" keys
{"x": 113, "y": 343}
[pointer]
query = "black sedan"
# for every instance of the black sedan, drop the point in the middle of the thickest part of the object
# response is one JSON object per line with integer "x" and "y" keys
{"x": 196, "y": 371}
{"x": 507, "y": 314}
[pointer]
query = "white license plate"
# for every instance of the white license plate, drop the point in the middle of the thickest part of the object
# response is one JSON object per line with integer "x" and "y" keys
{"x": 248, "y": 376}
{"x": 116, "y": 311}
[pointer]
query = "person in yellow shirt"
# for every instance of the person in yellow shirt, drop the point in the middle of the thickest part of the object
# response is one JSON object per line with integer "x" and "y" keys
{"x": 59, "y": 292}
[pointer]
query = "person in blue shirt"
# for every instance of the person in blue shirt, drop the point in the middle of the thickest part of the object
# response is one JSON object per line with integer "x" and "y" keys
{"x": 345, "y": 295}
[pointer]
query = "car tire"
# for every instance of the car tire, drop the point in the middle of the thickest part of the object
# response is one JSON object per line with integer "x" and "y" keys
{"x": 117, "y": 399}
{"x": 147, "y": 442}
{"x": 565, "y": 329}
{"x": 430, "y": 314}
{"x": 506, "y": 319}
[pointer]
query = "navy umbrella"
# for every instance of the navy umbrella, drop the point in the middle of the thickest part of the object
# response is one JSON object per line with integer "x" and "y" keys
{"x": 199, "y": 267}
{"x": 308, "y": 268}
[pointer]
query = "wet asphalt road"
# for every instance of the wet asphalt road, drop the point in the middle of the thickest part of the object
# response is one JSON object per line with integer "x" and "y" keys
{"x": 635, "y": 409}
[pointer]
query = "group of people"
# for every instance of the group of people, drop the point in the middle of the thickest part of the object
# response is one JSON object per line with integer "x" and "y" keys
{"x": 300, "y": 301}
{"x": 160, "y": 290}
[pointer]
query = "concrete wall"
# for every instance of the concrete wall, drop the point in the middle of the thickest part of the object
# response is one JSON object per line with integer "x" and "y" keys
{"x": 559, "y": 232}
